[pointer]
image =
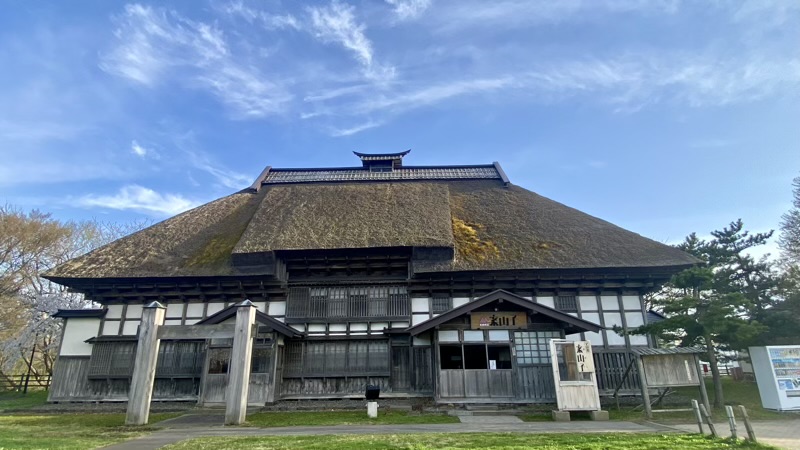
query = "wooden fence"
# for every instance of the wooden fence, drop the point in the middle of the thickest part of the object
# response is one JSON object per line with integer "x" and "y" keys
{"x": 610, "y": 368}
{"x": 23, "y": 382}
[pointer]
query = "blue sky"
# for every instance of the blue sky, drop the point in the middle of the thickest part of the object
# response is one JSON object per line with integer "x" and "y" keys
{"x": 664, "y": 117}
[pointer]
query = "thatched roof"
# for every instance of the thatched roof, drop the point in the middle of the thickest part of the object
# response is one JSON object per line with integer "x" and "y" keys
{"x": 491, "y": 225}
{"x": 520, "y": 229}
{"x": 333, "y": 216}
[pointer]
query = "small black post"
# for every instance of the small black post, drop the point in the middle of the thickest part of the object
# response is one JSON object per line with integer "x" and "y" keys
{"x": 30, "y": 363}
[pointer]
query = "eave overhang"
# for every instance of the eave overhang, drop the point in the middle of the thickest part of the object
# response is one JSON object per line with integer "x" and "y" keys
{"x": 572, "y": 324}
{"x": 261, "y": 318}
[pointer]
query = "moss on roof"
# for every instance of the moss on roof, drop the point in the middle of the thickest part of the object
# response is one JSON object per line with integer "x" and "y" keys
{"x": 196, "y": 242}
{"x": 357, "y": 215}
{"x": 534, "y": 232}
{"x": 491, "y": 226}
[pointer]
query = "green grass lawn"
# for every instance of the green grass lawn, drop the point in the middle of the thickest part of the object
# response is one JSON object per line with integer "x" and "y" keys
{"x": 304, "y": 418}
{"x": 467, "y": 441}
{"x": 736, "y": 393}
{"x": 18, "y": 401}
{"x": 69, "y": 431}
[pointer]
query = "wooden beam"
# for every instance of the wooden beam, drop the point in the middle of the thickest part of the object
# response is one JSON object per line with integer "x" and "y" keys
{"x": 144, "y": 369}
{"x": 219, "y": 331}
{"x": 648, "y": 411}
{"x": 239, "y": 375}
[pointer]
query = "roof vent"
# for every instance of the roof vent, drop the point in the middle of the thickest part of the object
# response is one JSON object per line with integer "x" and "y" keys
{"x": 382, "y": 162}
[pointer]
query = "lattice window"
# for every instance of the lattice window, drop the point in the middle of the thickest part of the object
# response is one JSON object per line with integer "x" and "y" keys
{"x": 567, "y": 303}
{"x": 348, "y": 302}
{"x": 533, "y": 347}
{"x": 336, "y": 358}
{"x": 112, "y": 359}
{"x": 441, "y": 304}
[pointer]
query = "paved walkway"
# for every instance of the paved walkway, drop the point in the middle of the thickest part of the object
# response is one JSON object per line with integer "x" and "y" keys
{"x": 780, "y": 433}
{"x": 192, "y": 426}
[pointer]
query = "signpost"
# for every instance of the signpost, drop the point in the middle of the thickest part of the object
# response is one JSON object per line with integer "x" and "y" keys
{"x": 500, "y": 320}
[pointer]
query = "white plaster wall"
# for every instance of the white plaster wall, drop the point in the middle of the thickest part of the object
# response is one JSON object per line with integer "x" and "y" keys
{"x": 378, "y": 325}
{"x": 594, "y": 338}
{"x": 130, "y": 327}
{"x": 133, "y": 312}
{"x": 192, "y": 321}
{"x": 337, "y": 327}
{"x": 609, "y": 303}
{"x": 172, "y": 321}
{"x": 591, "y": 317}
{"x": 612, "y": 319}
{"x": 114, "y": 312}
{"x": 546, "y": 301}
{"x": 194, "y": 310}
{"x": 420, "y": 305}
{"x": 316, "y": 327}
{"x": 299, "y": 327}
{"x": 588, "y": 302}
{"x": 261, "y": 306}
{"x": 460, "y": 301}
{"x": 634, "y": 319}
{"x": 631, "y": 302}
{"x": 418, "y": 318}
{"x": 400, "y": 324}
{"x": 277, "y": 309}
{"x": 76, "y": 331}
{"x": 214, "y": 308}
{"x": 110, "y": 327}
{"x": 358, "y": 327}
{"x": 174, "y": 310}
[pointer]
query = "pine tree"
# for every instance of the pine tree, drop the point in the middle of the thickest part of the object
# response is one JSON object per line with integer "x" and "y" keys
{"x": 717, "y": 305}
{"x": 789, "y": 240}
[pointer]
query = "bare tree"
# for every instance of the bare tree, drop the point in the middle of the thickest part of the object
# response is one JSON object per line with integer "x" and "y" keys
{"x": 30, "y": 244}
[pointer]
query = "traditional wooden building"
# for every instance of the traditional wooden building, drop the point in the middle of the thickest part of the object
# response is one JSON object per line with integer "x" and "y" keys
{"x": 443, "y": 282}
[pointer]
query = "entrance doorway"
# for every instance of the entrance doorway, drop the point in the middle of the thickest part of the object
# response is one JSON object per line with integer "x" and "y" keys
{"x": 475, "y": 364}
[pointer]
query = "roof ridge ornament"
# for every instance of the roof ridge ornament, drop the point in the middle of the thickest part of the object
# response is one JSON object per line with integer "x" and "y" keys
{"x": 382, "y": 162}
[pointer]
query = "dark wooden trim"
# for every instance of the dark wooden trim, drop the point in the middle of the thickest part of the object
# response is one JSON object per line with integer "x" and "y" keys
{"x": 501, "y": 172}
{"x": 262, "y": 318}
{"x": 80, "y": 313}
{"x": 579, "y": 324}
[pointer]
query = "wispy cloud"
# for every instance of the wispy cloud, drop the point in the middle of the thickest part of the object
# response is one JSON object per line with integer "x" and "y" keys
{"x": 156, "y": 47}
{"x": 138, "y": 150}
{"x": 336, "y": 23}
{"x": 516, "y": 13}
{"x": 409, "y": 9}
{"x": 627, "y": 84}
{"x": 137, "y": 198}
{"x": 155, "y": 43}
{"x": 348, "y": 131}
{"x": 269, "y": 21}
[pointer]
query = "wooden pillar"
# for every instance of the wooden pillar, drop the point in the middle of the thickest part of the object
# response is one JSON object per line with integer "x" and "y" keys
{"x": 144, "y": 368}
{"x": 703, "y": 392}
{"x": 648, "y": 410}
{"x": 239, "y": 372}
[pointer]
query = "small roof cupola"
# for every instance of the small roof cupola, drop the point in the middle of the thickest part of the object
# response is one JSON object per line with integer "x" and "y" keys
{"x": 382, "y": 162}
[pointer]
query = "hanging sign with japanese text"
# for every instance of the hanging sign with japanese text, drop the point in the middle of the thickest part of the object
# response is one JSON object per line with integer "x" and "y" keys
{"x": 583, "y": 356}
{"x": 488, "y": 320}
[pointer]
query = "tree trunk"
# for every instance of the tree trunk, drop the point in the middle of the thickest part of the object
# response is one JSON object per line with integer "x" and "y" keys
{"x": 719, "y": 400}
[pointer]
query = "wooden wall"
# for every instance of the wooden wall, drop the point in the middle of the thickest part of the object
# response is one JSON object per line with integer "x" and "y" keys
{"x": 69, "y": 379}
{"x": 535, "y": 383}
{"x": 332, "y": 387}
